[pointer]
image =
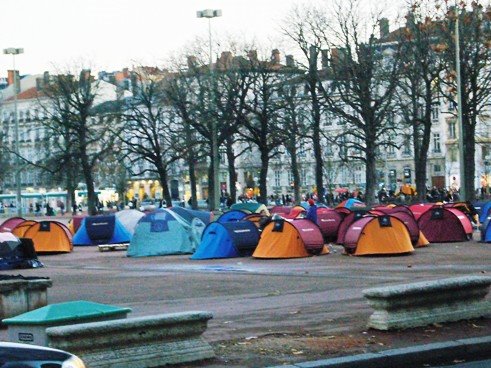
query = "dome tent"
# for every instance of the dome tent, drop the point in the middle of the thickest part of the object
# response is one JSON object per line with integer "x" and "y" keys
{"x": 163, "y": 232}
{"x": 98, "y": 230}
{"x": 227, "y": 240}
{"x": 377, "y": 235}
{"x": 290, "y": 239}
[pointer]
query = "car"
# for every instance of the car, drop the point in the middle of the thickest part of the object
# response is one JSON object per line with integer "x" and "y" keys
{"x": 15, "y": 355}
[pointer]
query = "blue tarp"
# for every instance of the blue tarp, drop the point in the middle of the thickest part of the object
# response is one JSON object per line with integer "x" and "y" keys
{"x": 231, "y": 216}
{"x": 486, "y": 230}
{"x": 484, "y": 211}
{"x": 227, "y": 240}
{"x": 96, "y": 230}
{"x": 163, "y": 232}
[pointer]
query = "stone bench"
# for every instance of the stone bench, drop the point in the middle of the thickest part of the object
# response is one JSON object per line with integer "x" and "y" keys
{"x": 20, "y": 295}
{"x": 424, "y": 303}
{"x": 151, "y": 341}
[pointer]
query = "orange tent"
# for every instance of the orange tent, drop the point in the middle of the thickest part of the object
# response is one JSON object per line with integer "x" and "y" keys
{"x": 378, "y": 235}
{"x": 50, "y": 237}
{"x": 20, "y": 230}
{"x": 290, "y": 239}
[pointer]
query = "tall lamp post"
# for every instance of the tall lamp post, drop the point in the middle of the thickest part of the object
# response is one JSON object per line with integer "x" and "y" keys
{"x": 215, "y": 201}
{"x": 459, "y": 109}
{"x": 16, "y": 51}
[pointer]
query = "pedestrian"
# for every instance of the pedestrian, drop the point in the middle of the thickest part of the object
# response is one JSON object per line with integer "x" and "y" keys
{"x": 312, "y": 211}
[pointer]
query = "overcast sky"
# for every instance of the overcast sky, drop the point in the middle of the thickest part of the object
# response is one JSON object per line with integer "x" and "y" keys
{"x": 112, "y": 34}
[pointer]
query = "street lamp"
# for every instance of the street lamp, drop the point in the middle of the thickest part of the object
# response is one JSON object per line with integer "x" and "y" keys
{"x": 16, "y": 51}
{"x": 215, "y": 201}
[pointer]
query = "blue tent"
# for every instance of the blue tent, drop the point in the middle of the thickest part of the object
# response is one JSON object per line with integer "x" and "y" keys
{"x": 486, "y": 230}
{"x": 164, "y": 232}
{"x": 483, "y": 214}
{"x": 231, "y": 216}
{"x": 227, "y": 240}
{"x": 96, "y": 230}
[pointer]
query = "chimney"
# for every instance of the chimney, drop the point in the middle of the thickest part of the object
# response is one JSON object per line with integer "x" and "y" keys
{"x": 275, "y": 56}
{"x": 11, "y": 75}
{"x": 13, "y": 78}
{"x": 252, "y": 55}
{"x": 40, "y": 84}
{"x": 290, "y": 62}
{"x": 46, "y": 77}
{"x": 325, "y": 59}
{"x": 225, "y": 60}
{"x": 192, "y": 62}
{"x": 384, "y": 28}
{"x": 334, "y": 56}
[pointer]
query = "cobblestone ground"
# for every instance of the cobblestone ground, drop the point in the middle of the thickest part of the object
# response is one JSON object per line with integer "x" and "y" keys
{"x": 267, "y": 312}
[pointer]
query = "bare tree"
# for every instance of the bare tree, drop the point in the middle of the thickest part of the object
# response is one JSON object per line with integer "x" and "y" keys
{"x": 359, "y": 85}
{"x": 261, "y": 116}
{"x": 475, "y": 73}
{"x": 302, "y": 27}
{"x": 294, "y": 124}
{"x": 72, "y": 101}
{"x": 417, "y": 93}
{"x": 152, "y": 134}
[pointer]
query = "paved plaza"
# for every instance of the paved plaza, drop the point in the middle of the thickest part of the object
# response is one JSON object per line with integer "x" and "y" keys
{"x": 319, "y": 295}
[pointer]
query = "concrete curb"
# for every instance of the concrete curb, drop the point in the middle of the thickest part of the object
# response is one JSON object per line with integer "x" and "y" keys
{"x": 442, "y": 352}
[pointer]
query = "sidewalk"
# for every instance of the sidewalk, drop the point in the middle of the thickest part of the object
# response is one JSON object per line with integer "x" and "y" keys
{"x": 466, "y": 350}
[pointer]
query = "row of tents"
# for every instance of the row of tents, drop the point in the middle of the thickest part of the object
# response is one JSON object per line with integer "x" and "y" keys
{"x": 253, "y": 229}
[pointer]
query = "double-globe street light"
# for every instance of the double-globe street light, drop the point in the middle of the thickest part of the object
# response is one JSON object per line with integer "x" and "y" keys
{"x": 215, "y": 201}
{"x": 16, "y": 51}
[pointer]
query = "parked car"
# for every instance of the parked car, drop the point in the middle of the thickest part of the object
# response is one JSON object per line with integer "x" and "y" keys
{"x": 14, "y": 355}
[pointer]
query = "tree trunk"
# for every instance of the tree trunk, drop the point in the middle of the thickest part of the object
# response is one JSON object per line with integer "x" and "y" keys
{"x": 191, "y": 167}
{"x": 232, "y": 173}
{"x": 164, "y": 179}
{"x": 89, "y": 181}
{"x": 469, "y": 157}
{"x": 319, "y": 162}
{"x": 263, "y": 190}
{"x": 371, "y": 174}
{"x": 296, "y": 177}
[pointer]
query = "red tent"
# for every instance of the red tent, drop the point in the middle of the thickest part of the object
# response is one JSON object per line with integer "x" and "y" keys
{"x": 420, "y": 208}
{"x": 329, "y": 221}
{"x": 9, "y": 224}
{"x": 442, "y": 225}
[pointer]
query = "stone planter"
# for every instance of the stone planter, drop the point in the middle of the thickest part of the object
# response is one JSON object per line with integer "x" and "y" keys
{"x": 424, "y": 303}
{"x": 151, "y": 341}
{"x": 20, "y": 295}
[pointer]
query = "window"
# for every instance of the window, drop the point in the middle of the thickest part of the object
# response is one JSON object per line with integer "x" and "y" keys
{"x": 437, "y": 169}
{"x": 327, "y": 119}
{"x": 290, "y": 178}
{"x": 406, "y": 148}
{"x": 436, "y": 143}
{"x": 485, "y": 154}
{"x": 391, "y": 150}
{"x": 277, "y": 178}
{"x": 303, "y": 177}
{"x": 328, "y": 151}
{"x": 435, "y": 111}
{"x": 451, "y": 130}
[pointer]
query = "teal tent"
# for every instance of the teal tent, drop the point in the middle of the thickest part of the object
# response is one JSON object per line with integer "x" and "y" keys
{"x": 164, "y": 232}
